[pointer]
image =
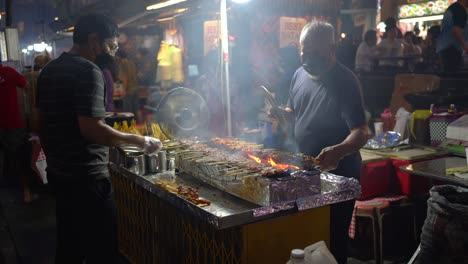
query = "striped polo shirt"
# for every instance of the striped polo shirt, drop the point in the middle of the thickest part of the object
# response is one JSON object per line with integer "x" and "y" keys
{"x": 68, "y": 87}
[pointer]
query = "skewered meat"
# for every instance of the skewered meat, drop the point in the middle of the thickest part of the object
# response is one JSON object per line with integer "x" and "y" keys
{"x": 183, "y": 191}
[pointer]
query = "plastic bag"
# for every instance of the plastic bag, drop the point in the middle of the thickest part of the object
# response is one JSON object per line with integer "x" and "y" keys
{"x": 38, "y": 160}
{"x": 444, "y": 237}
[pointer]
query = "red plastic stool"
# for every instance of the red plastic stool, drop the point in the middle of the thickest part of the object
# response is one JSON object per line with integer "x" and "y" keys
{"x": 375, "y": 210}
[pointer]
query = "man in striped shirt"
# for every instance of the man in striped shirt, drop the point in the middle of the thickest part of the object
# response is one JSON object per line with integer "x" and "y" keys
{"x": 75, "y": 138}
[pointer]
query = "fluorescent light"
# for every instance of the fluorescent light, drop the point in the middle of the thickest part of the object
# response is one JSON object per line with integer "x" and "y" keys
{"x": 24, "y": 51}
{"x": 240, "y": 1}
{"x": 40, "y": 47}
{"x": 30, "y": 47}
{"x": 421, "y": 19}
{"x": 56, "y": 18}
{"x": 164, "y": 19}
{"x": 49, "y": 48}
{"x": 164, "y": 4}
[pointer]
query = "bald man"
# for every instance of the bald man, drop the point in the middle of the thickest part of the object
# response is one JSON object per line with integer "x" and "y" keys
{"x": 326, "y": 102}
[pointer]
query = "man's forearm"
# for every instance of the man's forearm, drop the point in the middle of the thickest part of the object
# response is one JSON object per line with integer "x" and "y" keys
{"x": 354, "y": 142}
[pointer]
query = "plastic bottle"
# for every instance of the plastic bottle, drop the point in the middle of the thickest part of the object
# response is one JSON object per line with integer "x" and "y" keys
{"x": 297, "y": 257}
{"x": 387, "y": 120}
{"x": 452, "y": 109}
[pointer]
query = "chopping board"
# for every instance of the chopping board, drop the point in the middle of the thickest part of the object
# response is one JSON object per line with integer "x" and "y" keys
{"x": 370, "y": 157}
{"x": 416, "y": 153}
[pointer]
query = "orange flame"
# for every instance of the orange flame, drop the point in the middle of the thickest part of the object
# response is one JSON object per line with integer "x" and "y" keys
{"x": 281, "y": 166}
{"x": 271, "y": 162}
{"x": 256, "y": 159}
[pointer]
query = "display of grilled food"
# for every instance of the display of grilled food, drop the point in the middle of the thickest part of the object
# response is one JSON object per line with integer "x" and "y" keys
{"x": 298, "y": 159}
{"x": 220, "y": 163}
{"x": 183, "y": 191}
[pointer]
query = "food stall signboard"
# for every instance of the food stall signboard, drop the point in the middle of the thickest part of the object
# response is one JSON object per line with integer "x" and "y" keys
{"x": 421, "y": 9}
{"x": 211, "y": 34}
{"x": 290, "y": 30}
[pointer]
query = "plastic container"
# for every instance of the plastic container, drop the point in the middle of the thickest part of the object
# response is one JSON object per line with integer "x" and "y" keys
{"x": 419, "y": 127}
{"x": 319, "y": 253}
{"x": 378, "y": 128}
{"x": 297, "y": 257}
{"x": 387, "y": 120}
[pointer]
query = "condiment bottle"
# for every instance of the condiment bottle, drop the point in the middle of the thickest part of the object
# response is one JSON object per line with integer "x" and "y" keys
{"x": 452, "y": 109}
{"x": 387, "y": 120}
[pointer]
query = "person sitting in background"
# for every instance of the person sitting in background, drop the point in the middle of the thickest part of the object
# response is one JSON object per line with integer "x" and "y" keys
{"x": 128, "y": 78}
{"x": 391, "y": 46}
{"x": 289, "y": 62}
{"x": 146, "y": 65}
{"x": 411, "y": 47}
{"x": 346, "y": 51}
{"x": 429, "y": 50}
{"x": 367, "y": 52}
{"x": 41, "y": 60}
{"x": 109, "y": 69}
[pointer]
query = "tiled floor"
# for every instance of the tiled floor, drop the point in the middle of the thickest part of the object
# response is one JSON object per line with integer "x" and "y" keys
{"x": 27, "y": 232}
{"x": 30, "y": 228}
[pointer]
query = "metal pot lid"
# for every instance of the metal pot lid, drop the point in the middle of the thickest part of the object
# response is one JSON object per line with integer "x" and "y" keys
{"x": 184, "y": 111}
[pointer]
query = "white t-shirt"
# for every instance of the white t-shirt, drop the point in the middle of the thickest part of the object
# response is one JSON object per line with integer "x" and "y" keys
{"x": 390, "y": 49}
{"x": 365, "y": 56}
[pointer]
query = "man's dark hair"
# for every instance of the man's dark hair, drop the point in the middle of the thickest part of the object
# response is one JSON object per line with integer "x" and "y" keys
{"x": 94, "y": 23}
{"x": 370, "y": 35}
{"x": 121, "y": 54}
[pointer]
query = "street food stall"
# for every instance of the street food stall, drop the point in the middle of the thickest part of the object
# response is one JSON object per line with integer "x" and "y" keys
{"x": 163, "y": 214}
{"x": 218, "y": 200}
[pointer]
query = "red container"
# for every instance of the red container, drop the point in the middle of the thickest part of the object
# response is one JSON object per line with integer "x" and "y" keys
{"x": 375, "y": 179}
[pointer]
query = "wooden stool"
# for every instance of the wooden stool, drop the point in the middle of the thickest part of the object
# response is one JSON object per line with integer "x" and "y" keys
{"x": 375, "y": 211}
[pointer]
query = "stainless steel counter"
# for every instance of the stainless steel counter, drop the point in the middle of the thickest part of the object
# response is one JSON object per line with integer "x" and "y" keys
{"x": 436, "y": 170}
{"x": 228, "y": 211}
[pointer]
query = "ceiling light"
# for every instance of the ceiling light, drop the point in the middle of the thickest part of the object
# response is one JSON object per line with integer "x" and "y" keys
{"x": 240, "y": 1}
{"x": 164, "y": 4}
{"x": 56, "y": 18}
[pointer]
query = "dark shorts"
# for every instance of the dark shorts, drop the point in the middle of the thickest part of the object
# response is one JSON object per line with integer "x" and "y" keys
{"x": 452, "y": 59}
{"x": 11, "y": 139}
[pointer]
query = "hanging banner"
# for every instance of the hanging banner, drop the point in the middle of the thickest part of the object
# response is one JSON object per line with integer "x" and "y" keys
{"x": 211, "y": 35}
{"x": 290, "y": 30}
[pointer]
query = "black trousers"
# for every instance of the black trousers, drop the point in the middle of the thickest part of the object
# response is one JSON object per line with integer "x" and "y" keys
{"x": 86, "y": 221}
{"x": 340, "y": 218}
{"x": 452, "y": 59}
